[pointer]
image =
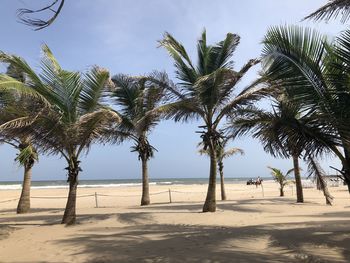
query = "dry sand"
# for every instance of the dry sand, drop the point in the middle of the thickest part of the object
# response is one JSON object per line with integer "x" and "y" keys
{"x": 249, "y": 227}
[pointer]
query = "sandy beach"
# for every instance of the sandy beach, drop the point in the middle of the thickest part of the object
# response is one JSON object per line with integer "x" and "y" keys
{"x": 251, "y": 226}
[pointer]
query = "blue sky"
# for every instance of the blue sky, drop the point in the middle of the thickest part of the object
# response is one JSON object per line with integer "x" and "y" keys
{"x": 122, "y": 36}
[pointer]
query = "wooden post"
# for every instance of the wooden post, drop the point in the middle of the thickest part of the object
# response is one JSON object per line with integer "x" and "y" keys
{"x": 262, "y": 188}
{"x": 96, "y": 200}
{"x": 170, "y": 195}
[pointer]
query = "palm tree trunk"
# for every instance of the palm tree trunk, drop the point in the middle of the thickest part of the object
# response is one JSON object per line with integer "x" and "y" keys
{"x": 222, "y": 183}
{"x": 346, "y": 169}
{"x": 299, "y": 187}
{"x": 69, "y": 217}
{"x": 145, "y": 199}
{"x": 210, "y": 201}
{"x": 24, "y": 201}
{"x": 281, "y": 191}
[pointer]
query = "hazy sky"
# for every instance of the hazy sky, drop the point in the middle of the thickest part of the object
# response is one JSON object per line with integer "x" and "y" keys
{"x": 122, "y": 36}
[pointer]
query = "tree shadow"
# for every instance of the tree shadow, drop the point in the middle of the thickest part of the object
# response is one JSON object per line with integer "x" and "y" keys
{"x": 5, "y": 231}
{"x": 45, "y": 219}
{"x": 240, "y": 205}
{"x": 32, "y": 210}
{"x": 295, "y": 242}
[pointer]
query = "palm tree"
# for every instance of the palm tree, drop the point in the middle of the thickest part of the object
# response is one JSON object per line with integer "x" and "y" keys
{"x": 71, "y": 118}
{"x": 11, "y": 108}
{"x": 53, "y": 8}
{"x": 223, "y": 153}
{"x": 285, "y": 132}
{"x": 205, "y": 92}
{"x": 280, "y": 178}
{"x": 26, "y": 157}
{"x": 315, "y": 73}
{"x": 332, "y": 9}
{"x": 136, "y": 100}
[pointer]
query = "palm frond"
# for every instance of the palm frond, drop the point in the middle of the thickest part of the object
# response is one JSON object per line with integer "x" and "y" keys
{"x": 223, "y": 51}
{"x": 332, "y": 9}
{"x": 183, "y": 110}
{"x": 95, "y": 127}
{"x": 185, "y": 71}
{"x": 93, "y": 86}
{"x": 315, "y": 170}
{"x": 24, "y": 15}
{"x": 232, "y": 151}
{"x": 27, "y": 155}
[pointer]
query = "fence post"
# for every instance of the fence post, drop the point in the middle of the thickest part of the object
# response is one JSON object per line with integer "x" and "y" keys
{"x": 170, "y": 195}
{"x": 96, "y": 200}
{"x": 262, "y": 188}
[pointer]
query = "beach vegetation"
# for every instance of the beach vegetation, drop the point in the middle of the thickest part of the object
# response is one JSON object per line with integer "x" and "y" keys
{"x": 136, "y": 99}
{"x": 70, "y": 115}
{"x": 205, "y": 92}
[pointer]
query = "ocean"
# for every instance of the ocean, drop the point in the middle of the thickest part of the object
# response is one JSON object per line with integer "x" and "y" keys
{"x": 14, "y": 185}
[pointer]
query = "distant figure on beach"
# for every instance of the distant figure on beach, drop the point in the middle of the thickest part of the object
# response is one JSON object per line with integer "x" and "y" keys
{"x": 258, "y": 181}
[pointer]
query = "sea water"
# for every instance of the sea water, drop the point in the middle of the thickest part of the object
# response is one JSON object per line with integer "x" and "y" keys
{"x": 55, "y": 184}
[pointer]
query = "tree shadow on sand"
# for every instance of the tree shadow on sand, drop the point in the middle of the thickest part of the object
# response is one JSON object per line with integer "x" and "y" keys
{"x": 241, "y": 205}
{"x": 327, "y": 241}
{"x": 45, "y": 219}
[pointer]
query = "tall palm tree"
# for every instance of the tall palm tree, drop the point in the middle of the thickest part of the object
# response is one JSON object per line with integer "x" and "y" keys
{"x": 332, "y": 9}
{"x": 285, "y": 132}
{"x": 11, "y": 108}
{"x": 222, "y": 153}
{"x": 136, "y": 100}
{"x": 315, "y": 73}
{"x": 71, "y": 118}
{"x": 205, "y": 92}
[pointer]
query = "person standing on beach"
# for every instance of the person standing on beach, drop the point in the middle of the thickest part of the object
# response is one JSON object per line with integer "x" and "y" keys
{"x": 258, "y": 182}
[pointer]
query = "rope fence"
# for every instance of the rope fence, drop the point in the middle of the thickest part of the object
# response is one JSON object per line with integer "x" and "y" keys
{"x": 169, "y": 192}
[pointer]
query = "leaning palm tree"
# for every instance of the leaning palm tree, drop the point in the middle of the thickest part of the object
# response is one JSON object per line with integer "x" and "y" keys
{"x": 205, "y": 92}
{"x": 222, "y": 153}
{"x": 284, "y": 132}
{"x": 332, "y": 9}
{"x": 280, "y": 178}
{"x": 71, "y": 118}
{"x": 136, "y": 100}
{"x": 315, "y": 73}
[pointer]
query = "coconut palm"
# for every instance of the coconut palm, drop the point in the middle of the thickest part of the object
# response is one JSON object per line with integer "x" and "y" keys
{"x": 26, "y": 157}
{"x": 332, "y": 9}
{"x": 280, "y": 178}
{"x": 285, "y": 132}
{"x": 136, "y": 99}
{"x": 11, "y": 108}
{"x": 315, "y": 73}
{"x": 205, "y": 92}
{"x": 222, "y": 153}
{"x": 71, "y": 116}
